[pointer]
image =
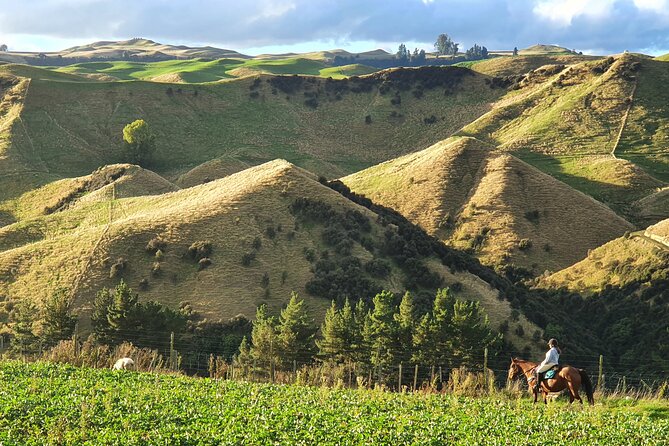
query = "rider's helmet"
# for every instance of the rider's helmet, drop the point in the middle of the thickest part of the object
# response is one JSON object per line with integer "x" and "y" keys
{"x": 553, "y": 342}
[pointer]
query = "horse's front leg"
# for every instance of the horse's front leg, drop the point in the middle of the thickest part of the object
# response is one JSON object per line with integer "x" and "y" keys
{"x": 536, "y": 395}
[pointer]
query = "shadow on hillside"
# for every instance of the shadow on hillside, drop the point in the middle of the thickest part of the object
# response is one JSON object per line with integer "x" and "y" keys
{"x": 618, "y": 198}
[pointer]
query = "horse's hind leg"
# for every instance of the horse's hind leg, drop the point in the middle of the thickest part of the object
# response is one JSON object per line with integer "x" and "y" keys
{"x": 573, "y": 393}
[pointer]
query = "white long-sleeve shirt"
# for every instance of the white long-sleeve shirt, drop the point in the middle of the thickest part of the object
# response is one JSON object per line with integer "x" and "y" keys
{"x": 552, "y": 357}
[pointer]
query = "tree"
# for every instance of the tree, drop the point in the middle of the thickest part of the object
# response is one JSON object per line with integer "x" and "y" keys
{"x": 263, "y": 338}
{"x": 243, "y": 358}
{"x": 3, "y": 48}
{"x": 58, "y": 322}
{"x": 381, "y": 332}
{"x": 25, "y": 340}
{"x": 471, "y": 331}
{"x": 295, "y": 332}
{"x": 402, "y": 53}
{"x": 406, "y": 325}
{"x": 331, "y": 345}
{"x": 443, "y": 45}
{"x": 139, "y": 142}
{"x": 515, "y": 50}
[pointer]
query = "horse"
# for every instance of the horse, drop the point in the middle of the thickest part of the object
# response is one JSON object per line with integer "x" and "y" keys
{"x": 567, "y": 377}
{"x": 123, "y": 364}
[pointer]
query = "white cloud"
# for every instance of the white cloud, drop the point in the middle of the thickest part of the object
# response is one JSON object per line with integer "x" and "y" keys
{"x": 661, "y": 6}
{"x": 562, "y": 12}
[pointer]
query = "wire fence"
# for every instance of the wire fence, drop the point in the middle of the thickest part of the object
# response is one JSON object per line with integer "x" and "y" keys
{"x": 482, "y": 369}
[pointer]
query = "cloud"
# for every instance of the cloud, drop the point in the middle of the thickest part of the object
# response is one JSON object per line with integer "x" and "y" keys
{"x": 562, "y": 12}
{"x": 602, "y": 25}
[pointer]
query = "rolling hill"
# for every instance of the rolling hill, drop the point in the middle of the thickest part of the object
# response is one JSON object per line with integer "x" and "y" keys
{"x": 637, "y": 257}
{"x": 332, "y": 127}
{"x": 505, "y": 211}
{"x": 205, "y": 70}
{"x": 132, "y": 49}
{"x": 597, "y": 126}
{"x": 268, "y": 230}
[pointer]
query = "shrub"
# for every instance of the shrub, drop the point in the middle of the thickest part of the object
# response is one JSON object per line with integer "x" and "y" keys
{"x": 199, "y": 250}
{"x": 248, "y": 257}
{"x": 270, "y": 232}
{"x": 254, "y": 95}
{"x": 144, "y": 284}
{"x": 532, "y": 216}
{"x": 118, "y": 267}
{"x": 525, "y": 244}
{"x": 311, "y": 103}
{"x": 156, "y": 269}
{"x": 257, "y": 243}
{"x": 368, "y": 119}
{"x": 264, "y": 282}
{"x": 378, "y": 268}
{"x": 309, "y": 254}
{"x": 284, "y": 276}
{"x": 155, "y": 244}
{"x": 430, "y": 120}
{"x": 203, "y": 263}
{"x": 520, "y": 331}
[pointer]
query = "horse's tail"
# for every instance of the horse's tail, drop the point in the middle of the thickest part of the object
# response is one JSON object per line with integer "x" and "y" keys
{"x": 587, "y": 385}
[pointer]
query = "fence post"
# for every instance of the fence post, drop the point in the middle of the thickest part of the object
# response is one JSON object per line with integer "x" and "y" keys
{"x": 485, "y": 359}
{"x": 415, "y": 377}
{"x": 172, "y": 353}
{"x": 600, "y": 374}
{"x": 399, "y": 379}
{"x": 432, "y": 375}
{"x": 2, "y": 342}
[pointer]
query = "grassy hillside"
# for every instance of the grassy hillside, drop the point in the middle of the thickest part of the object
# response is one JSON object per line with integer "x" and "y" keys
{"x": 518, "y": 65}
{"x": 319, "y": 124}
{"x": 206, "y": 70}
{"x": 617, "y": 263}
{"x": 584, "y": 124}
{"x": 544, "y": 49}
{"x": 95, "y": 239}
{"x": 664, "y": 58}
{"x": 504, "y": 210}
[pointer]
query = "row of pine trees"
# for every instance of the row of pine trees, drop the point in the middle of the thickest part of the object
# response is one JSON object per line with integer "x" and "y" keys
{"x": 453, "y": 333}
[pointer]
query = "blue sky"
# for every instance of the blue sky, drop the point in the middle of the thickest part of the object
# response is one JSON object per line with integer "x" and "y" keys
{"x": 258, "y": 26}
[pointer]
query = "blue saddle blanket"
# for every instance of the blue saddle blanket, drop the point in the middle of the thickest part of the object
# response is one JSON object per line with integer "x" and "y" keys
{"x": 550, "y": 374}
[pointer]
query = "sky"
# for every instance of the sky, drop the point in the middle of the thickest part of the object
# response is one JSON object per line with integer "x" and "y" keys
{"x": 277, "y": 26}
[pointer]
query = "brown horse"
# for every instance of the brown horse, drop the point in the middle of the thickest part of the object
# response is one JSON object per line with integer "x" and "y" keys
{"x": 567, "y": 378}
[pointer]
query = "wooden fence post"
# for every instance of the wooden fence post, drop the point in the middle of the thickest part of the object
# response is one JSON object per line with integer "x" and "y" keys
{"x": 415, "y": 377}
{"x": 399, "y": 379}
{"x": 600, "y": 374}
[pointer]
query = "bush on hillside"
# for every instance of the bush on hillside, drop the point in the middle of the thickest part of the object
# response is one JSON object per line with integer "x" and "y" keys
{"x": 199, "y": 250}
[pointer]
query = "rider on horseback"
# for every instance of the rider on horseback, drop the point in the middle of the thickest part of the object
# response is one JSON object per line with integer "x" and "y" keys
{"x": 551, "y": 360}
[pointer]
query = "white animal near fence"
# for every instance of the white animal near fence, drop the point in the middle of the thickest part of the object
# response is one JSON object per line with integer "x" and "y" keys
{"x": 123, "y": 364}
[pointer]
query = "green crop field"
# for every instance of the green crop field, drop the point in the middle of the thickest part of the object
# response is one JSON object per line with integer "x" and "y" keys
{"x": 54, "y": 404}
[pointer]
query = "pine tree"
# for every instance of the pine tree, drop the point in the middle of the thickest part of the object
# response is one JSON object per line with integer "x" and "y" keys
{"x": 406, "y": 321}
{"x": 354, "y": 321}
{"x": 24, "y": 341}
{"x": 381, "y": 332}
{"x": 442, "y": 315}
{"x": 425, "y": 349}
{"x": 295, "y": 332}
{"x": 471, "y": 331}
{"x": 58, "y": 322}
{"x": 263, "y": 338}
{"x": 122, "y": 312}
{"x": 331, "y": 344}
{"x": 402, "y": 53}
{"x": 243, "y": 358}
{"x": 101, "y": 329}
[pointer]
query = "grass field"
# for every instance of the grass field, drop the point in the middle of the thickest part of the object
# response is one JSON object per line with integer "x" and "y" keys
{"x": 52, "y": 404}
{"x": 205, "y": 70}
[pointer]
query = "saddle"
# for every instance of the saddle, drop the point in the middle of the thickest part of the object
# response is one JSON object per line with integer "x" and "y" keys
{"x": 548, "y": 374}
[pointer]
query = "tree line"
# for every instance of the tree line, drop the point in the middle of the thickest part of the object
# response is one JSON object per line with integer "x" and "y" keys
{"x": 452, "y": 333}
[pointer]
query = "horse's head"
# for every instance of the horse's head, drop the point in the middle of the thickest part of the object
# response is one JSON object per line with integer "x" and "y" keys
{"x": 514, "y": 370}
